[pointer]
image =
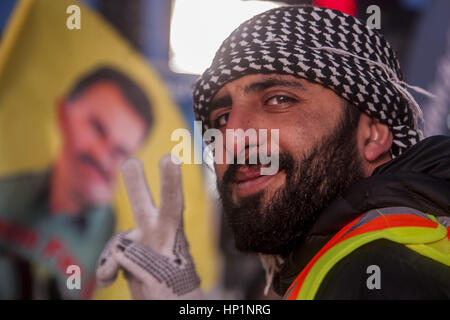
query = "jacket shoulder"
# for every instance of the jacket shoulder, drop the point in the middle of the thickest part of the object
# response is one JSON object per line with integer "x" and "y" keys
{"x": 383, "y": 269}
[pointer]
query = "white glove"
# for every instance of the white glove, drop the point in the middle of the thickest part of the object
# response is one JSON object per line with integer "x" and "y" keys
{"x": 155, "y": 255}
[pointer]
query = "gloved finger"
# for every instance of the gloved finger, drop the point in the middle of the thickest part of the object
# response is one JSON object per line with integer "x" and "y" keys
{"x": 107, "y": 266}
{"x": 166, "y": 277}
{"x": 143, "y": 266}
{"x": 142, "y": 205}
{"x": 106, "y": 272}
{"x": 172, "y": 202}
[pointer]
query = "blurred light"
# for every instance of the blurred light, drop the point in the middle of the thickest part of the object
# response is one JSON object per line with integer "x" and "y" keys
{"x": 415, "y": 5}
{"x": 198, "y": 27}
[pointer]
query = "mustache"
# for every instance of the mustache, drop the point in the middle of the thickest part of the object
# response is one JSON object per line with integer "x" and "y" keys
{"x": 87, "y": 159}
{"x": 285, "y": 162}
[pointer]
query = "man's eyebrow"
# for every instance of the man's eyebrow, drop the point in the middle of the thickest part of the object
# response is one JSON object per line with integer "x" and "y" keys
{"x": 271, "y": 82}
{"x": 226, "y": 101}
{"x": 221, "y": 102}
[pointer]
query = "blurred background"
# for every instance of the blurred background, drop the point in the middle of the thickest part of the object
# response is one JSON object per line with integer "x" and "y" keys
{"x": 164, "y": 45}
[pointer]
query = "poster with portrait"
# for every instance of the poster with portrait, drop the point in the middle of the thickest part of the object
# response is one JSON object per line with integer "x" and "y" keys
{"x": 74, "y": 103}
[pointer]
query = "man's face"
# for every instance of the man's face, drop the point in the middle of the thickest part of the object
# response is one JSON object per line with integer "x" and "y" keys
{"x": 318, "y": 158}
{"x": 100, "y": 130}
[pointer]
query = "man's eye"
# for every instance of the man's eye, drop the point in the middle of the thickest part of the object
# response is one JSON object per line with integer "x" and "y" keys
{"x": 277, "y": 100}
{"x": 220, "y": 121}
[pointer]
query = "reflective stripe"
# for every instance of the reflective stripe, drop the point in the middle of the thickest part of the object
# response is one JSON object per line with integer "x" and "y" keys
{"x": 397, "y": 224}
{"x": 372, "y": 214}
{"x": 439, "y": 250}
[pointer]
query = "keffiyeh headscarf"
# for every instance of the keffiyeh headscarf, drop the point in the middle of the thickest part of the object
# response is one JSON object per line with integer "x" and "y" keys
{"x": 323, "y": 46}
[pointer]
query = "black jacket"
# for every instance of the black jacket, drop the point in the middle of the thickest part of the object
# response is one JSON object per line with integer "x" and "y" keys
{"x": 420, "y": 179}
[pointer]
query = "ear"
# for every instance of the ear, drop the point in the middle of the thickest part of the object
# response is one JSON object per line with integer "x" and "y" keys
{"x": 376, "y": 138}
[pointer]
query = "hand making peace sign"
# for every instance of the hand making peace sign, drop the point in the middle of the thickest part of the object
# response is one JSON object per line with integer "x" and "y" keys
{"x": 155, "y": 255}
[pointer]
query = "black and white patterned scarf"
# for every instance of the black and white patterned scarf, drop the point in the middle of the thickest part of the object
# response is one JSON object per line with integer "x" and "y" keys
{"x": 323, "y": 46}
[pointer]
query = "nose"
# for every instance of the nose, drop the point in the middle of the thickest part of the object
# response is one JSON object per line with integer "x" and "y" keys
{"x": 103, "y": 154}
{"x": 241, "y": 135}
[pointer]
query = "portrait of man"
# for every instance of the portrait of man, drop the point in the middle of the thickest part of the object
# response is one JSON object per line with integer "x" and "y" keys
{"x": 62, "y": 216}
{"x": 104, "y": 120}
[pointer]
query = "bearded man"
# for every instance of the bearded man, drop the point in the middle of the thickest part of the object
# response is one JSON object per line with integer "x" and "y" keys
{"x": 359, "y": 206}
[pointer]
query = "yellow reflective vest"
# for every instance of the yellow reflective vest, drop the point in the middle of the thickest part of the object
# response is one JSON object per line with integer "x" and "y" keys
{"x": 416, "y": 230}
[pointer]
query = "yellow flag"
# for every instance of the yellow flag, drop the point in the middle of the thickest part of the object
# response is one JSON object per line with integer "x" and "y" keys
{"x": 41, "y": 53}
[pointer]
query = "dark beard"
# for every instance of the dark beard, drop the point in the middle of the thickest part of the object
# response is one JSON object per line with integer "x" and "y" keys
{"x": 311, "y": 184}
